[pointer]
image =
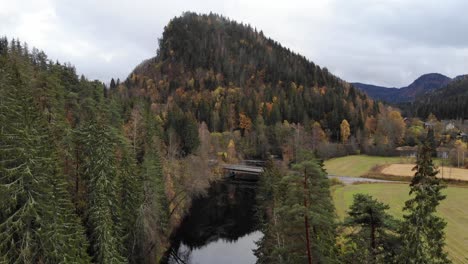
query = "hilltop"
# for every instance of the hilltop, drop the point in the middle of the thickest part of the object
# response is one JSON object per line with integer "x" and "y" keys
{"x": 228, "y": 74}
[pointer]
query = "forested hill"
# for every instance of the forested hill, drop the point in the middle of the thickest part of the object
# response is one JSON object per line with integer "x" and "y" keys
{"x": 423, "y": 84}
{"x": 226, "y": 73}
{"x": 449, "y": 102}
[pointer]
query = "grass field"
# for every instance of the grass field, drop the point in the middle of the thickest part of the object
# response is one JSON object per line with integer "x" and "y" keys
{"x": 358, "y": 165}
{"x": 454, "y": 209}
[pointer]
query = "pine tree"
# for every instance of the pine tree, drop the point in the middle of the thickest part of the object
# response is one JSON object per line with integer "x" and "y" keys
{"x": 373, "y": 240}
{"x": 300, "y": 210}
{"x": 37, "y": 221}
{"x": 422, "y": 232}
{"x": 319, "y": 209}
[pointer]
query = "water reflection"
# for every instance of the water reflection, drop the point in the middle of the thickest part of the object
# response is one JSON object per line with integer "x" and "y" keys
{"x": 220, "y": 228}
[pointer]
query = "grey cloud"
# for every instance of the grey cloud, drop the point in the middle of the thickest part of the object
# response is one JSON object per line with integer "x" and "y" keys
{"x": 385, "y": 42}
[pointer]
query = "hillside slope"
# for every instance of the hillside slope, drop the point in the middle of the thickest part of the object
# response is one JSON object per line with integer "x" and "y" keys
{"x": 229, "y": 75}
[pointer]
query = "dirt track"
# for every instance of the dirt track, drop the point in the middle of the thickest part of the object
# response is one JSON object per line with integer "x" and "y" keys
{"x": 406, "y": 170}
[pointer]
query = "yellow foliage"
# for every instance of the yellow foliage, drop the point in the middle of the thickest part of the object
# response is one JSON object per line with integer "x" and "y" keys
{"x": 231, "y": 151}
{"x": 245, "y": 122}
{"x": 460, "y": 144}
{"x": 345, "y": 131}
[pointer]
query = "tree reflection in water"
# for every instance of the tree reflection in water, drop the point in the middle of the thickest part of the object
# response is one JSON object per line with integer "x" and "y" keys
{"x": 220, "y": 225}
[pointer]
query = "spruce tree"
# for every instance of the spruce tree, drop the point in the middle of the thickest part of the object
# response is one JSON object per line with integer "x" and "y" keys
{"x": 99, "y": 170}
{"x": 422, "y": 232}
{"x": 153, "y": 218}
{"x": 37, "y": 221}
{"x": 130, "y": 198}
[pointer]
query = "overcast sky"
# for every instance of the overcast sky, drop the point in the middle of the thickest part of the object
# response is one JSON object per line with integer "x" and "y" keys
{"x": 383, "y": 42}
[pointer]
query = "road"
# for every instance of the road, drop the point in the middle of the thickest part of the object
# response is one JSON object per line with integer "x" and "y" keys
{"x": 351, "y": 180}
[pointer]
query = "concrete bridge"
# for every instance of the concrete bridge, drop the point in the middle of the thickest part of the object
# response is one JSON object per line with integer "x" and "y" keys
{"x": 242, "y": 172}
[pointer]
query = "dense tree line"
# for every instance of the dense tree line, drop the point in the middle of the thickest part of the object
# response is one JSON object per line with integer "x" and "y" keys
{"x": 449, "y": 102}
{"x": 74, "y": 186}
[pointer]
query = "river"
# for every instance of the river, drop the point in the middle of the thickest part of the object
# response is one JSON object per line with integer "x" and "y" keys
{"x": 220, "y": 227}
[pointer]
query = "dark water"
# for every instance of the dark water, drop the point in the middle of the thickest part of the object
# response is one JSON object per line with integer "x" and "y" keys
{"x": 220, "y": 227}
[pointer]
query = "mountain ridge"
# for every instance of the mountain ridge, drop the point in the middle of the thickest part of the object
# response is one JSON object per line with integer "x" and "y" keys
{"x": 423, "y": 84}
{"x": 448, "y": 102}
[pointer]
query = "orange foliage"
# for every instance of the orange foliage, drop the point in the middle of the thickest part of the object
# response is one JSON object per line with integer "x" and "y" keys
{"x": 323, "y": 90}
{"x": 245, "y": 122}
{"x": 371, "y": 124}
{"x": 269, "y": 107}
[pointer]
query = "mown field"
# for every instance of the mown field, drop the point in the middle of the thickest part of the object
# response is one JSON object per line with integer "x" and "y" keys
{"x": 406, "y": 171}
{"x": 454, "y": 210}
{"x": 358, "y": 165}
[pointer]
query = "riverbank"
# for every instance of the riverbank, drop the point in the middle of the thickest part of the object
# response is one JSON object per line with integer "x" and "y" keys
{"x": 219, "y": 227}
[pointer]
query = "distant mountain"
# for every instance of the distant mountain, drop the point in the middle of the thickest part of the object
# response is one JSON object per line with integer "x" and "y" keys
{"x": 420, "y": 86}
{"x": 448, "y": 102}
{"x": 378, "y": 92}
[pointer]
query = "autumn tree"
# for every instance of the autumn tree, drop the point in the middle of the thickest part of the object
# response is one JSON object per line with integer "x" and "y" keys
{"x": 318, "y": 135}
{"x": 391, "y": 127}
{"x": 345, "y": 131}
{"x": 231, "y": 151}
{"x": 245, "y": 123}
{"x": 371, "y": 125}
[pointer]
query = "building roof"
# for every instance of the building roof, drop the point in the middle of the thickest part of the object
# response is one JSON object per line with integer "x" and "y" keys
{"x": 407, "y": 148}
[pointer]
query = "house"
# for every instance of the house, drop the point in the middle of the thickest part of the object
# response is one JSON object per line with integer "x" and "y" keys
{"x": 463, "y": 136}
{"x": 407, "y": 151}
{"x": 449, "y": 126}
{"x": 443, "y": 152}
{"x": 407, "y": 121}
{"x": 428, "y": 125}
